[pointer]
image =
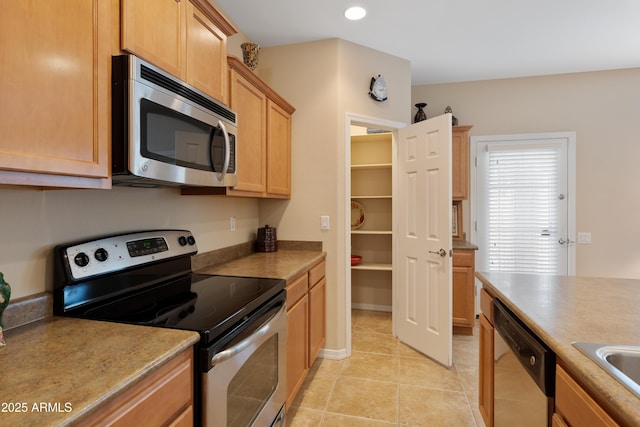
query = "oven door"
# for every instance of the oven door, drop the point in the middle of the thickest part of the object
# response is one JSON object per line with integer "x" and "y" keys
{"x": 246, "y": 384}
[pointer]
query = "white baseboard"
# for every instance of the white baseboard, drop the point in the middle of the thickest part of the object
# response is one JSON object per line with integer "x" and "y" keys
{"x": 371, "y": 307}
{"x": 333, "y": 354}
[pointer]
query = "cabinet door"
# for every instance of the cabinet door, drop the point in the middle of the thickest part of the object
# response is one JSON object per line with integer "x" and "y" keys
{"x": 463, "y": 292}
{"x": 278, "y": 151}
{"x": 155, "y": 31}
{"x": 460, "y": 163}
{"x": 297, "y": 346}
{"x": 485, "y": 389}
{"x": 575, "y": 406}
{"x": 206, "y": 54}
{"x": 251, "y": 105}
{"x": 463, "y": 310}
{"x": 317, "y": 330}
{"x": 54, "y": 107}
{"x": 164, "y": 395}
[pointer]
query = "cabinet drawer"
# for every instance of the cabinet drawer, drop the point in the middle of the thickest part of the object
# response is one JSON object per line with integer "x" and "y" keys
{"x": 463, "y": 258}
{"x": 316, "y": 273}
{"x": 486, "y": 304}
{"x": 575, "y": 406}
{"x": 165, "y": 395}
{"x": 296, "y": 289}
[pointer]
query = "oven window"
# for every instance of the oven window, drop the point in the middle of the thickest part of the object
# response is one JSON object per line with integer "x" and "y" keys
{"x": 253, "y": 384}
{"x": 174, "y": 138}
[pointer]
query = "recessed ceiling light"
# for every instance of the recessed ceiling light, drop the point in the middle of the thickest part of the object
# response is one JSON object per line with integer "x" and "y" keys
{"x": 355, "y": 13}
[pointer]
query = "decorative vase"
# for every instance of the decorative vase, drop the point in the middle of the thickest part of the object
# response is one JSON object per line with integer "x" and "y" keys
{"x": 5, "y": 294}
{"x": 454, "y": 121}
{"x": 250, "y": 54}
{"x": 420, "y": 115}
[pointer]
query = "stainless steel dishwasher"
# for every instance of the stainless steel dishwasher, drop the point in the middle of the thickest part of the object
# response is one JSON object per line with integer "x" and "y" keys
{"x": 524, "y": 373}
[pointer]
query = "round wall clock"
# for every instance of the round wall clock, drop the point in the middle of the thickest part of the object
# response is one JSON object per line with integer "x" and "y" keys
{"x": 378, "y": 88}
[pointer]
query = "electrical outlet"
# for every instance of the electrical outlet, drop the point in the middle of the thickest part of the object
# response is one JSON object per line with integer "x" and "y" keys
{"x": 584, "y": 238}
{"x": 232, "y": 223}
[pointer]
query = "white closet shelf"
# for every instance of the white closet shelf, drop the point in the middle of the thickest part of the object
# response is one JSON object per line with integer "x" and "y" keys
{"x": 371, "y": 197}
{"x": 372, "y": 267}
{"x": 373, "y": 232}
{"x": 371, "y": 166}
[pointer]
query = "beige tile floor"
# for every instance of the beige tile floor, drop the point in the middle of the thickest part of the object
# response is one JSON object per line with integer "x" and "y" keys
{"x": 385, "y": 383}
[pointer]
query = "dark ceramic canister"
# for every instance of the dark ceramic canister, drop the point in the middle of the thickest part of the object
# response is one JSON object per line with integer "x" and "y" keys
{"x": 266, "y": 240}
{"x": 420, "y": 115}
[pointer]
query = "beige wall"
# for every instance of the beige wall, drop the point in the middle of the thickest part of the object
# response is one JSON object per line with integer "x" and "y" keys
{"x": 34, "y": 221}
{"x": 602, "y": 108}
{"x": 325, "y": 80}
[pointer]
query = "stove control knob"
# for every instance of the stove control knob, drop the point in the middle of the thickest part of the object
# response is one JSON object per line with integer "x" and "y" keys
{"x": 182, "y": 240}
{"x": 101, "y": 255}
{"x": 81, "y": 259}
{"x": 191, "y": 240}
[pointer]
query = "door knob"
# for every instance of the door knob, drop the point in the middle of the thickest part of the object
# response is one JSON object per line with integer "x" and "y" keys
{"x": 441, "y": 252}
{"x": 562, "y": 241}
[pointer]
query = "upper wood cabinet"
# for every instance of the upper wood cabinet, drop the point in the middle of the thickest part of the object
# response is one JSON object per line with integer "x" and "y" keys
{"x": 278, "y": 150}
{"x": 55, "y": 107}
{"x": 251, "y": 105}
{"x": 186, "y": 38}
{"x": 460, "y": 162}
{"x": 263, "y": 143}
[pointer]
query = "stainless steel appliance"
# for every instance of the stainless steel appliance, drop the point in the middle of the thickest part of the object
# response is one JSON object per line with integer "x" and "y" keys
{"x": 146, "y": 278}
{"x": 167, "y": 133}
{"x": 524, "y": 373}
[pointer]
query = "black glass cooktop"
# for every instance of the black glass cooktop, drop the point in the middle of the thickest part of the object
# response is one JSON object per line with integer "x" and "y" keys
{"x": 207, "y": 304}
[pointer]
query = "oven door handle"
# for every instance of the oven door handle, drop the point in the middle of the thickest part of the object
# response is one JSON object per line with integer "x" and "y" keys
{"x": 264, "y": 329}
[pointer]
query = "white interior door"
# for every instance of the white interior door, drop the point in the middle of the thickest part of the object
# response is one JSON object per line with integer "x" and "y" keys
{"x": 423, "y": 212}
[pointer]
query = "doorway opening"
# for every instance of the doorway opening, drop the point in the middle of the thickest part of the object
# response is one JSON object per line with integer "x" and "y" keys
{"x": 523, "y": 206}
{"x": 370, "y": 153}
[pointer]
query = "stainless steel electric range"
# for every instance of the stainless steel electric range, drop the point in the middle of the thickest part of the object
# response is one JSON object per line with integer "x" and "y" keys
{"x": 145, "y": 278}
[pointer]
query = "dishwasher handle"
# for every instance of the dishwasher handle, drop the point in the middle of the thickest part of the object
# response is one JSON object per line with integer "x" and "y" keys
{"x": 536, "y": 358}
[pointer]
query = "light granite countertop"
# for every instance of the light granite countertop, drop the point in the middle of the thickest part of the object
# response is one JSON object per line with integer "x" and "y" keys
{"x": 564, "y": 309}
{"x": 464, "y": 244}
{"x": 282, "y": 264}
{"x": 74, "y": 366}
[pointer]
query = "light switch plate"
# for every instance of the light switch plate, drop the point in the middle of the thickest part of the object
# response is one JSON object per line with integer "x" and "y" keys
{"x": 324, "y": 222}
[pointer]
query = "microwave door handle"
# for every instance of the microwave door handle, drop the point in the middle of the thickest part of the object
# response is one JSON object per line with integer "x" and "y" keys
{"x": 227, "y": 152}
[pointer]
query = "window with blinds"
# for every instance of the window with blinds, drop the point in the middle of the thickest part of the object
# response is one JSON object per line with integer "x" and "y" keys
{"x": 523, "y": 212}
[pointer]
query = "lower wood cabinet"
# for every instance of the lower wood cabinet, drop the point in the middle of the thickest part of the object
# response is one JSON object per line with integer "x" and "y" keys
{"x": 165, "y": 397}
{"x": 306, "y": 330}
{"x": 463, "y": 273}
{"x": 574, "y": 407}
{"x": 485, "y": 373}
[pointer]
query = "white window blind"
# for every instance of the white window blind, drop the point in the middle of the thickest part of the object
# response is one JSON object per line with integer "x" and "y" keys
{"x": 523, "y": 217}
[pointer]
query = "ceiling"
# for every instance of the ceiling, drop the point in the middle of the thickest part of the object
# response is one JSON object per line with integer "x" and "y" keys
{"x": 460, "y": 40}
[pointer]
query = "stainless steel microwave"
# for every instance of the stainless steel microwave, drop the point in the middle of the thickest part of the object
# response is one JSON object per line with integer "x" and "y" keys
{"x": 167, "y": 133}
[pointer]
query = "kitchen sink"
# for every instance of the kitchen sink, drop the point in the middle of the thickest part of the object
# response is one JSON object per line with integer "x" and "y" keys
{"x": 620, "y": 361}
